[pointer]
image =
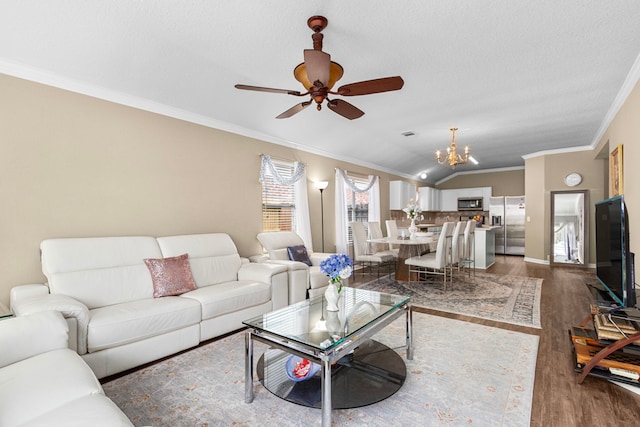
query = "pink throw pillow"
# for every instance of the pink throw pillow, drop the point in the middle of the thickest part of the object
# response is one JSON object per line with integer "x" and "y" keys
{"x": 171, "y": 276}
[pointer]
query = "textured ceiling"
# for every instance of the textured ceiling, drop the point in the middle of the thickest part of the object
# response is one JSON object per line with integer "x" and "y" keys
{"x": 516, "y": 77}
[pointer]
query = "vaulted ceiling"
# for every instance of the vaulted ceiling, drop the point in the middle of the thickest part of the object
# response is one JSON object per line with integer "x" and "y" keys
{"x": 516, "y": 77}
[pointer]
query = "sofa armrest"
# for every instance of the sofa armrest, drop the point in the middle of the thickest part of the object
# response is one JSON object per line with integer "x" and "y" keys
{"x": 67, "y": 306}
{"x": 271, "y": 273}
{"x": 259, "y": 258}
{"x": 21, "y": 292}
{"x": 291, "y": 265}
{"x": 317, "y": 257}
{"x": 27, "y": 336}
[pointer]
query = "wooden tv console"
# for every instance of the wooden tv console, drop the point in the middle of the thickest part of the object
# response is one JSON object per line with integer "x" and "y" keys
{"x": 608, "y": 351}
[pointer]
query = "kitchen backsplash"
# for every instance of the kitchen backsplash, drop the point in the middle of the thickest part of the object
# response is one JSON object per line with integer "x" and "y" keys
{"x": 437, "y": 218}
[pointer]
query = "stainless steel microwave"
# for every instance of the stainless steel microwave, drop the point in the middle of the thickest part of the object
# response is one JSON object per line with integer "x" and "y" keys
{"x": 469, "y": 203}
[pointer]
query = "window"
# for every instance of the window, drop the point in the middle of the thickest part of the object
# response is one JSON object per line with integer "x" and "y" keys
{"x": 357, "y": 203}
{"x": 278, "y": 201}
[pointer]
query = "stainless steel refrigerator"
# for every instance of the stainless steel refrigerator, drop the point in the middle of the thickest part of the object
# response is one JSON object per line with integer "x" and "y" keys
{"x": 509, "y": 214}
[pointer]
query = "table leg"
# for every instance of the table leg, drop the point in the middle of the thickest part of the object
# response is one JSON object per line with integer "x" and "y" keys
{"x": 326, "y": 393}
{"x": 248, "y": 367}
{"x": 409, "y": 320}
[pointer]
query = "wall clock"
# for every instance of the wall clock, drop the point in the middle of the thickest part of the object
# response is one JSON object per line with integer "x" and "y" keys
{"x": 573, "y": 179}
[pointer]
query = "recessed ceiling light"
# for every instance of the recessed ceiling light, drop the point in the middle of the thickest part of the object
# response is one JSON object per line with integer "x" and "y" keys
{"x": 423, "y": 175}
{"x": 408, "y": 133}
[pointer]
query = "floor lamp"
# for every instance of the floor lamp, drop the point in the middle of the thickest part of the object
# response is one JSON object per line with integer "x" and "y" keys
{"x": 321, "y": 185}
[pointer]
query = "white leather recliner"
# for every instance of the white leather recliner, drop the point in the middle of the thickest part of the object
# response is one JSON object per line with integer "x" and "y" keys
{"x": 44, "y": 383}
{"x": 304, "y": 281}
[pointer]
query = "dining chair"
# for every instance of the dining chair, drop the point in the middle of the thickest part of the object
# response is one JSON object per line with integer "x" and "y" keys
{"x": 375, "y": 232}
{"x": 469, "y": 239}
{"x": 457, "y": 245}
{"x": 392, "y": 232}
{"x": 434, "y": 263}
{"x": 362, "y": 252}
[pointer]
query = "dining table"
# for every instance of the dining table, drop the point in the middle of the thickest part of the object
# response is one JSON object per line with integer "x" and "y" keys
{"x": 408, "y": 248}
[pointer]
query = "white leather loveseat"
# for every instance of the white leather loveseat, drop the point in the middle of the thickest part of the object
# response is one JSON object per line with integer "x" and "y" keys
{"x": 304, "y": 280}
{"x": 105, "y": 290}
{"x": 44, "y": 383}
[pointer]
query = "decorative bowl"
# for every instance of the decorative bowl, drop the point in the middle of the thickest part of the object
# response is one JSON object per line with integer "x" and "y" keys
{"x": 291, "y": 365}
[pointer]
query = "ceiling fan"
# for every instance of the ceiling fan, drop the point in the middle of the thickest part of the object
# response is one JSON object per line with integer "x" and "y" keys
{"x": 318, "y": 74}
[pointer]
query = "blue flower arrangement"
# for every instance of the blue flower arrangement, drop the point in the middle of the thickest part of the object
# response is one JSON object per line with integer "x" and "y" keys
{"x": 337, "y": 267}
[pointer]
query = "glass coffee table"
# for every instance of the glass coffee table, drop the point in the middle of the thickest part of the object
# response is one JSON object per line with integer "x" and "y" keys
{"x": 354, "y": 369}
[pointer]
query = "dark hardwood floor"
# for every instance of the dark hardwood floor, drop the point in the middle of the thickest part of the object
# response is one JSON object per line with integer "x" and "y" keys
{"x": 558, "y": 400}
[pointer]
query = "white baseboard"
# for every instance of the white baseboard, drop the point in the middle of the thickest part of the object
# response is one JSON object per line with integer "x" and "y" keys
{"x": 536, "y": 260}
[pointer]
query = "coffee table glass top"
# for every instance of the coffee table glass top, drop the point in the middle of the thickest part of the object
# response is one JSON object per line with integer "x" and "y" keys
{"x": 309, "y": 323}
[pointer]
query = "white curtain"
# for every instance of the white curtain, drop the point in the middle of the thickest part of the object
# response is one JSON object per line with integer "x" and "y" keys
{"x": 342, "y": 219}
{"x": 299, "y": 181}
{"x": 374, "y": 199}
{"x": 303, "y": 223}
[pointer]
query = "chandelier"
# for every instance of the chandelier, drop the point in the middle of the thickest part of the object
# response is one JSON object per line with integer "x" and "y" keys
{"x": 452, "y": 158}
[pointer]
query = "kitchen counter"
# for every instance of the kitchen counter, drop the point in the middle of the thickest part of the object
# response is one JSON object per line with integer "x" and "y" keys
{"x": 427, "y": 226}
{"x": 487, "y": 228}
{"x": 485, "y": 246}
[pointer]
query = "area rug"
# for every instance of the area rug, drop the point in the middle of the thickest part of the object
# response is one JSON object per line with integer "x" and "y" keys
{"x": 462, "y": 374}
{"x": 509, "y": 299}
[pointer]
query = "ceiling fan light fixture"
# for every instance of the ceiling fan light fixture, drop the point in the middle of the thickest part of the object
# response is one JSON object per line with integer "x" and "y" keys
{"x": 452, "y": 158}
{"x": 335, "y": 74}
{"x": 318, "y": 74}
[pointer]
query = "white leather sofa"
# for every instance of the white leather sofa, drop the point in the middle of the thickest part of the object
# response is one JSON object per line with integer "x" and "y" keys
{"x": 304, "y": 281}
{"x": 104, "y": 289}
{"x": 44, "y": 383}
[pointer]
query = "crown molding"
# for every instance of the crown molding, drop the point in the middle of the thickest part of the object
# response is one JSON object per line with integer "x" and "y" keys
{"x": 474, "y": 172}
{"x": 629, "y": 83}
{"x": 557, "y": 151}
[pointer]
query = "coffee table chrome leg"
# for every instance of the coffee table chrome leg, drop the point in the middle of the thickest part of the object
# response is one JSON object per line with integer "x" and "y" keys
{"x": 409, "y": 332}
{"x": 248, "y": 367}
{"x": 326, "y": 393}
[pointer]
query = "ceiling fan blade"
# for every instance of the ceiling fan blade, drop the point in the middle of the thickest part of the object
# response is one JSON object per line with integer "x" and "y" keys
{"x": 268, "y": 89}
{"x": 294, "y": 110}
{"x": 318, "y": 64}
{"x": 372, "y": 86}
{"x": 345, "y": 109}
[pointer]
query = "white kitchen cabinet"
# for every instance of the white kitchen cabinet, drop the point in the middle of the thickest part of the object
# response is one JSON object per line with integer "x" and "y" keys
{"x": 400, "y": 192}
{"x": 486, "y": 197}
{"x": 429, "y": 198}
{"x": 450, "y": 199}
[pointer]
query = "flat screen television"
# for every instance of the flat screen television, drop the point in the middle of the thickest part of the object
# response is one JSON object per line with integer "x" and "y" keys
{"x": 614, "y": 261}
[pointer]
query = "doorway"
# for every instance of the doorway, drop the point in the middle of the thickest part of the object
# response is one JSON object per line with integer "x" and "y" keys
{"x": 569, "y": 227}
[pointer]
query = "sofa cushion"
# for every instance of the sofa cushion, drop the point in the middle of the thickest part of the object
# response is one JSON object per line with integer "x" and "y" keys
{"x": 95, "y": 410}
{"x": 228, "y": 297}
{"x": 125, "y": 323}
{"x": 170, "y": 276}
{"x": 299, "y": 253}
{"x": 100, "y": 271}
{"x": 35, "y": 386}
{"x": 213, "y": 257}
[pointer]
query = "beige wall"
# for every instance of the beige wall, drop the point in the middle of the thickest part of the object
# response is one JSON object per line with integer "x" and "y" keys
{"x": 502, "y": 183}
{"x": 72, "y": 165}
{"x": 545, "y": 174}
{"x": 625, "y": 130}
{"x": 76, "y": 166}
{"x": 536, "y": 220}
